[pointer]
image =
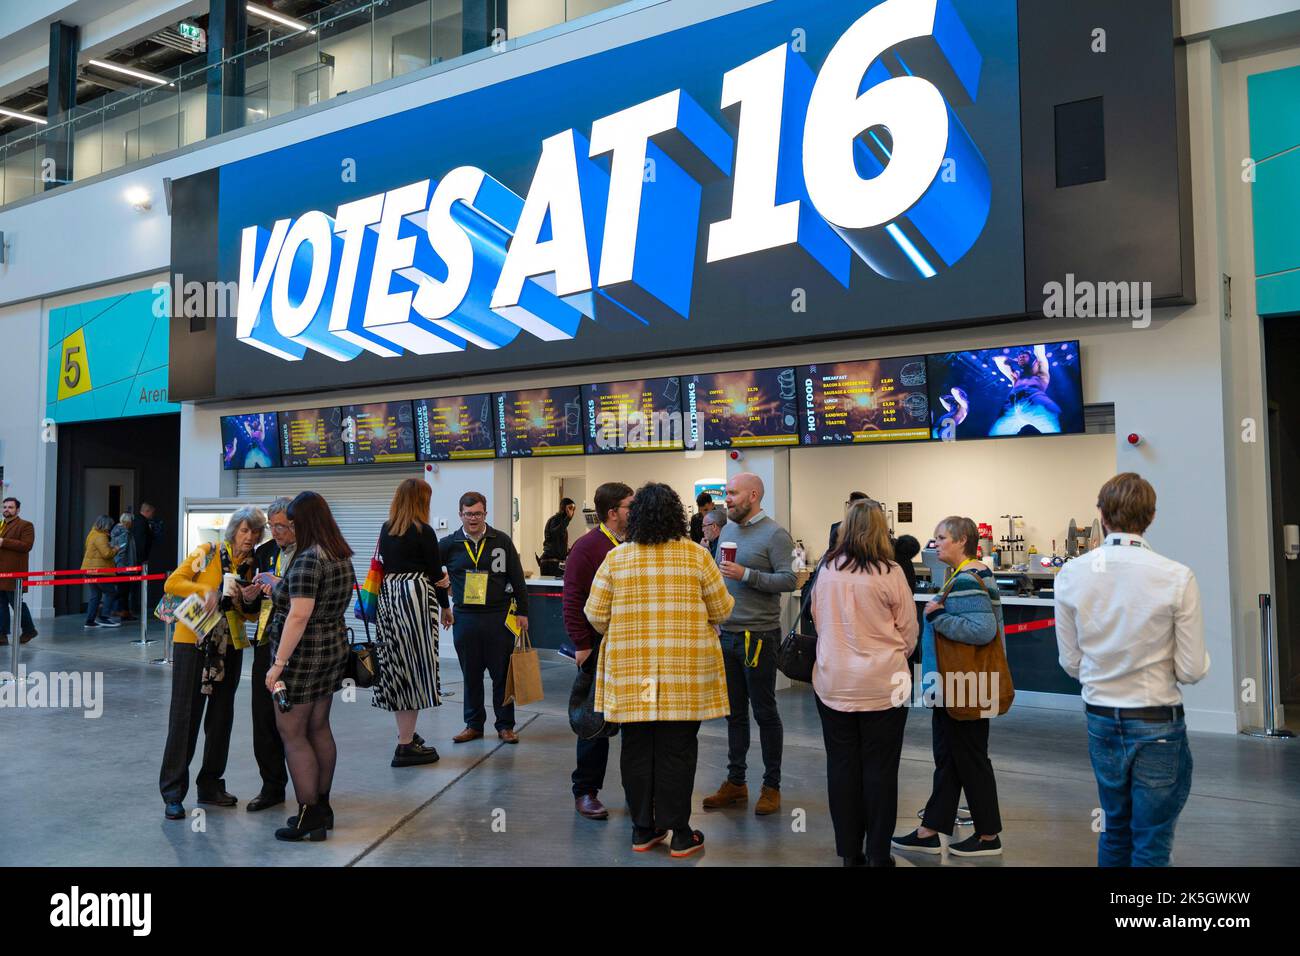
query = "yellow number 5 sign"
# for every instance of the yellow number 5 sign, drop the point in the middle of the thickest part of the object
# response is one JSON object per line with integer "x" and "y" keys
{"x": 74, "y": 366}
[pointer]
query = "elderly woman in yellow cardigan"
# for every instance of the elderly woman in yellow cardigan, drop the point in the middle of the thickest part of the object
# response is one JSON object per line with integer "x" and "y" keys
{"x": 208, "y": 673}
{"x": 658, "y": 600}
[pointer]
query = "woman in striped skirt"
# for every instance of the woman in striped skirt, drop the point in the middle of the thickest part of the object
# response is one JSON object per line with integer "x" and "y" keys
{"x": 408, "y": 618}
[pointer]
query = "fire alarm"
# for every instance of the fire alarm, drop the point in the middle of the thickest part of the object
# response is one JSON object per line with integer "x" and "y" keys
{"x": 1134, "y": 439}
{"x": 737, "y": 455}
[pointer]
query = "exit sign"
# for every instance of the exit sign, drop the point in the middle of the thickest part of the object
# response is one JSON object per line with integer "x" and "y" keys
{"x": 197, "y": 36}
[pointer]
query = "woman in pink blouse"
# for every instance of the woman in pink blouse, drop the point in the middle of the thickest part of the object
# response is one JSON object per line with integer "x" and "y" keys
{"x": 866, "y": 629}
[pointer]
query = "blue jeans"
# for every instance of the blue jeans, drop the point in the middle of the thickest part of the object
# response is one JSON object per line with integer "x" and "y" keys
{"x": 103, "y": 602}
{"x": 1144, "y": 774}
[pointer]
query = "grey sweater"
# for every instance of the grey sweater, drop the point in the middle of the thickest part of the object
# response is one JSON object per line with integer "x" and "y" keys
{"x": 767, "y": 550}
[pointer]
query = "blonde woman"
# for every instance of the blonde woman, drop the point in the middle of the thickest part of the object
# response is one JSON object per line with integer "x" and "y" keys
{"x": 408, "y": 619}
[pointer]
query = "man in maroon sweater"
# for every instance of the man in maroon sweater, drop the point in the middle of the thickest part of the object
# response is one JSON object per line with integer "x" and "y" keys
{"x": 585, "y": 558}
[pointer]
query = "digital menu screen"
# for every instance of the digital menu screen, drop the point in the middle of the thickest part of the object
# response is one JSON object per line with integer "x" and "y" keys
{"x": 539, "y": 421}
{"x": 742, "y": 409}
{"x": 312, "y": 436}
{"x": 1015, "y": 390}
{"x": 454, "y": 427}
{"x": 250, "y": 441}
{"x": 643, "y": 415}
{"x": 383, "y": 431}
{"x": 875, "y": 400}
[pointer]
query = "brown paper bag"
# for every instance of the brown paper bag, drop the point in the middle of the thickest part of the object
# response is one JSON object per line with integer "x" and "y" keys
{"x": 524, "y": 678}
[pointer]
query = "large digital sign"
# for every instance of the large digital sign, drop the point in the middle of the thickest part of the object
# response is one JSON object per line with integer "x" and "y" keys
{"x": 381, "y": 432}
{"x": 538, "y": 422}
{"x": 454, "y": 427}
{"x": 312, "y": 436}
{"x": 742, "y": 409}
{"x": 250, "y": 441}
{"x": 869, "y": 401}
{"x": 625, "y": 197}
{"x": 643, "y": 415}
{"x": 1015, "y": 390}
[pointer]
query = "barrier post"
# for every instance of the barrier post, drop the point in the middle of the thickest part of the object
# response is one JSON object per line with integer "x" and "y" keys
{"x": 144, "y": 608}
{"x": 1268, "y": 666}
{"x": 15, "y": 629}
{"x": 167, "y": 645}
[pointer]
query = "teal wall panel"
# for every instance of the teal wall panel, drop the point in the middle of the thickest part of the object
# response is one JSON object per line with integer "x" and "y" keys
{"x": 1274, "y": 107}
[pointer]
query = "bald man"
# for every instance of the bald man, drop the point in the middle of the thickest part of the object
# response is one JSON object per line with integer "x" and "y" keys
{"x": 756, "y": 579}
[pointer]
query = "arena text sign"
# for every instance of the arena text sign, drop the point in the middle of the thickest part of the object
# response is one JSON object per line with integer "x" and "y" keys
{"x": 610, "y": 222}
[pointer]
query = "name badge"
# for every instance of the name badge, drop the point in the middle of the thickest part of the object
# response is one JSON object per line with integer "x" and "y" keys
{"x": 476, "y": 587}
{"x": 262, "y": 619}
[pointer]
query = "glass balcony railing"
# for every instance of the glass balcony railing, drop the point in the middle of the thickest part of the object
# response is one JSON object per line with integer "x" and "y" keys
{"x": 348, "y": 46}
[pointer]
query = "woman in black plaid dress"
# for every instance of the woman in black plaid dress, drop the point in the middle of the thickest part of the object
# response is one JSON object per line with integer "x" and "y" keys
{"x": 310, "y": 646}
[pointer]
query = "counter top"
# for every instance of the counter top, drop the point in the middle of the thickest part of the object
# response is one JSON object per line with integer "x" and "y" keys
{"x": 1007, "y": 599}
{"x": 544, "y": 582}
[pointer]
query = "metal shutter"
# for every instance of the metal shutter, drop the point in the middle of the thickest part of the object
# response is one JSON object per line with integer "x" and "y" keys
{"x": 358, "y": 496}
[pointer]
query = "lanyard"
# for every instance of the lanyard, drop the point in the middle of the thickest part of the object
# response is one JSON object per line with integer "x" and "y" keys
{"x": 475, "y": 557}
{"x": 278, "y": 556}
{"x": 956, "y": 571}
{"x": 607, "y": 534}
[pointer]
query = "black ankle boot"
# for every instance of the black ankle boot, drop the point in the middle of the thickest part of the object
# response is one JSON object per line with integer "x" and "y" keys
{"x": 308, "y": 825}
{"x": 323, "y": 802}
{"x": 413, "y": 754}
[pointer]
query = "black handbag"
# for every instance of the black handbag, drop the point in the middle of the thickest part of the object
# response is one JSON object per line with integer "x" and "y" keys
{"x": 587, "y": 722}
{"x": 362, "y": 667}
{"x": 797, "y": 655}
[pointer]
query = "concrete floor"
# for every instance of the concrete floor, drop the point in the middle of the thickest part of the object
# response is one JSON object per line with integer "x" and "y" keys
{"x": 83, "y": 792}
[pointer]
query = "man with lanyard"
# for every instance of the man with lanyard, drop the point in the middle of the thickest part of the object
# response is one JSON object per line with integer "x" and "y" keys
{"x": 756, "y": 578}
{"x": 273, "y": 559}
{"x": 612, "y": 501}
{"x": 487, "y": 590}
{"x": 1129, "y": 628}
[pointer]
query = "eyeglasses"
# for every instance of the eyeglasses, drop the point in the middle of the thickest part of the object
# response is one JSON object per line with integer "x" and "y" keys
{"x": 473, "y": 514}
{"x": 277, "y": 526}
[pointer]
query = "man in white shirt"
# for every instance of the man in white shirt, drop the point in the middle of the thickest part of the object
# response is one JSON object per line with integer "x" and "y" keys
{"x": 1129, "y": 627}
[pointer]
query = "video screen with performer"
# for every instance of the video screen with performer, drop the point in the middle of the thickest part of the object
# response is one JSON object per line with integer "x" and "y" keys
{"x": 539, "y": 422}
{"x": 312, "y": 436}
{"x": 454, "y": 428}
{"x": 868, "y": 401}
{"x": 742, "y": 409}
{"x": 380, "y": 432}
{"x": 642, "y": 415}
{"x": 250, "y": 441}
{"x": 1015, "y": 390}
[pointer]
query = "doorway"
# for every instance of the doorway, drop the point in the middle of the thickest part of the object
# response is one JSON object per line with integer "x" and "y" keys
{"x": 110, "y": 467}
{"x": 1282, "y": 352}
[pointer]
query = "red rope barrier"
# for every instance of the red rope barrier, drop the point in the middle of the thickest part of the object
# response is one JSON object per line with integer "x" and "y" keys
{"x": 82, "y": 572}
{"x": 98, "y": 580}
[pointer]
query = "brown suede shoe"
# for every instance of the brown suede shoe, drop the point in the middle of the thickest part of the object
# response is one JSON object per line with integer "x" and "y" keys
{"x": 508, "y": 735}
{"x": 769, "y": 801}
{"x": 469, "y": 733}
{"x": 728, "y": 794}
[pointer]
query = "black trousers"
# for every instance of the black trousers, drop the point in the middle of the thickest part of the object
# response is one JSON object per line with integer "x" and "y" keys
{"x": 658, "y": 765}
{"x": 752, "y": 681}
{"x": 593, "y": 755}
{"x": 187, "y": 714}
{"x": 863, "y": 749}
{"x": 484, "y": 642}
{"x": 961, "y": 762}
{"x": 268, "y": 749}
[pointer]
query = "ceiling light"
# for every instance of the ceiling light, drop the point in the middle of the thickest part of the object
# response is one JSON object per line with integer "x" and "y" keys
{"x": 260, "y": 11}
{"x": 127, "y": 71}
{"x": 139, "y": 198}
{"x": 15, "y": 114}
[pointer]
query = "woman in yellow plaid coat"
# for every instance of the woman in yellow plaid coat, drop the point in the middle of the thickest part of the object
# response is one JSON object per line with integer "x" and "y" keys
{"x": 658, "y": 600}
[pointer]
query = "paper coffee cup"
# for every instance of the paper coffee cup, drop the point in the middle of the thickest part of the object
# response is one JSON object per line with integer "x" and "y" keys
{"x": 728, "y": 550}
{"x": 230, "y": 585}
